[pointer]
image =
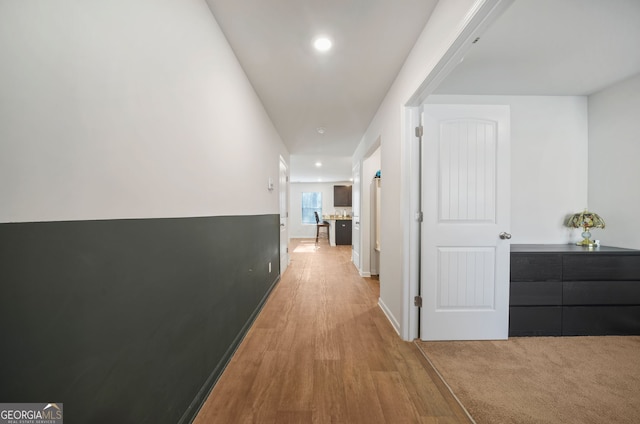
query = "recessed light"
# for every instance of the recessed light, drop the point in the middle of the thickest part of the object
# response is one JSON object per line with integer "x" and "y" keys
{"x": 318, "y": 164}
{"x": 322, "y": 44}
{"x": 321, "y": 130}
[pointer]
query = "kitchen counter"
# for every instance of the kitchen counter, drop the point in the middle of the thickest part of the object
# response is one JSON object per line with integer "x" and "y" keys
{"x": 339, "y": 228}
{"x": 336, "y": 218}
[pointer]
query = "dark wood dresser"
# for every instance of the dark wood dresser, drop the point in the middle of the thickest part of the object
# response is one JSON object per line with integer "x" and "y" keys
{"x": 567, "y": 290}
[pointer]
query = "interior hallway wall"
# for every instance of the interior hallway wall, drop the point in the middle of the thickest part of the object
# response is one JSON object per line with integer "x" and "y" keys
{"x": 128, "y": 109}
{"x": 443, "y": 27}
{"x": 614, "y": 149}
{"x": 136, "y": 226}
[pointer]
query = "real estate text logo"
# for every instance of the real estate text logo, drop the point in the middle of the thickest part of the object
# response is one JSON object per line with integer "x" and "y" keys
{"x": 31, "y": 413}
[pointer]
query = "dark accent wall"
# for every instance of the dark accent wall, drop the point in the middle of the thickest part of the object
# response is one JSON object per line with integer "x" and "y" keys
{"x": 128, "y": 321}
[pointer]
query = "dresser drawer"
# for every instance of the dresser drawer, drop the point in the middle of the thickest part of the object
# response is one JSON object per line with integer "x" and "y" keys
{"x": 536, "y": 267}
{"x": 601, "y": 267}
{"x": 527, "y": 293}
{"x": 601, "y": 292}
{"x": 535, "y": 321}
{"x": 600, "y": 320}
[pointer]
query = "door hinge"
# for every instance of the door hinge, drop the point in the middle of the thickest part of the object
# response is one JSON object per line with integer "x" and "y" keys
{"x": 417, "y": 301}
{"x": 419, "y": 131}
{"x": 287, "y": 250}
{"x": 419, "y": 216}
{"x": 287, "y": 178}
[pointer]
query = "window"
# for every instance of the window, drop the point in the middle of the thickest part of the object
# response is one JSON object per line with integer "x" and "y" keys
{"x": 311, "y": 202}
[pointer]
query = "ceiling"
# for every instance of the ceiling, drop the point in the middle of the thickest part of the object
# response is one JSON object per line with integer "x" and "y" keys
{"x": 303, "y": 90}
{"x": 332, "y": 169}
{"x": 537, "y": 47}
{"x": 552, "y": 47}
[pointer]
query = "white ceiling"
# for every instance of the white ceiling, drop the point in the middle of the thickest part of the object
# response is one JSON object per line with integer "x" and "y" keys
{"x": 552, "y": 47}
{"x": 303, "y": 90}
{"x": 333, "y": 169}
{"x": 538, "y": 47}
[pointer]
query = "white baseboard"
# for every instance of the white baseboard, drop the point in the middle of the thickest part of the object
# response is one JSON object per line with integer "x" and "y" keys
{"x": 364, "y": 274}
{"x": 394, "y": 323}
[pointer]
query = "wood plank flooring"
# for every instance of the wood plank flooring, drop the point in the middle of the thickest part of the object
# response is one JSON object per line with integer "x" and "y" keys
{"x": 322, "y": 351}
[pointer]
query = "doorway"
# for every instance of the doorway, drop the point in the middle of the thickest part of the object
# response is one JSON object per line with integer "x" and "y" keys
{"x": 369, "y": 233}
{"x": 283, "y": 187}
{"x": 464, "y": 265}
{"x": 412, "y": 179}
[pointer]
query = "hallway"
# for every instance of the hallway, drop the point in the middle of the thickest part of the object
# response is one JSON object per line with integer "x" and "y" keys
{"x": 322, "y": 351}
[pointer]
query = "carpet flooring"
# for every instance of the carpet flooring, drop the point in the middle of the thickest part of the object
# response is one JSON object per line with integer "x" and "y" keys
{"x": 527, "y": 380}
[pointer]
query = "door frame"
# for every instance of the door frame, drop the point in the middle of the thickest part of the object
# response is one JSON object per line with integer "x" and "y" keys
{"x": 479, "y": 18}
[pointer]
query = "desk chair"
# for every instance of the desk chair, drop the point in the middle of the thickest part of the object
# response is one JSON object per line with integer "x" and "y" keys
{"x": 323, "y": 224}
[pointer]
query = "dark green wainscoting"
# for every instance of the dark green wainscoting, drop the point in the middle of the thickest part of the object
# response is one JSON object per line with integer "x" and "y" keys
{"x": 129, "y": 321}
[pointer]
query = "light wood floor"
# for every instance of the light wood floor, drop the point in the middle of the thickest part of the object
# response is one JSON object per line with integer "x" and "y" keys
{"x": 322, "y": 351}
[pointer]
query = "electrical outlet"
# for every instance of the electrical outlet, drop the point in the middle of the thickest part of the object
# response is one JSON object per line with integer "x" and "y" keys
{"x": 269, "y": 267}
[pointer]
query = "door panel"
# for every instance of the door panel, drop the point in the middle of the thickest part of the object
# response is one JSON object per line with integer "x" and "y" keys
{"x": 465, "y": 265}
{"x": 467, "y": 173}
{"x": 466, "y": 278}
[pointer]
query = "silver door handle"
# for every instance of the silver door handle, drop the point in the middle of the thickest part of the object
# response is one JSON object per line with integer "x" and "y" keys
{"x": 504, "y": 236}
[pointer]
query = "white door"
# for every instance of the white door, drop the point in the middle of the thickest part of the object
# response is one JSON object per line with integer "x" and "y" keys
{"x": 355, "y": 212}
{"x": 465, "y": 201}
{"x": 284, "y": 215}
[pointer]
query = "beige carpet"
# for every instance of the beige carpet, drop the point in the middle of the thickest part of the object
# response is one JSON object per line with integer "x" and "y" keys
{"x": 543, "y": 379}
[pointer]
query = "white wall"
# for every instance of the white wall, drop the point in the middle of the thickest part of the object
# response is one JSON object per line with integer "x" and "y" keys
{"x": 443, "y": 27}
{"x": 296, "y": 228}
{"x": 614, "y": 173}
{"x": 549, "y": 143}
{"x": 127, "y": 108}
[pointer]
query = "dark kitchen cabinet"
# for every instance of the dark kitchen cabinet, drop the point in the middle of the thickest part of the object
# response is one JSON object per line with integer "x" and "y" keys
{"x": 341, "y": 195}
{"x": 343, "y": 232}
